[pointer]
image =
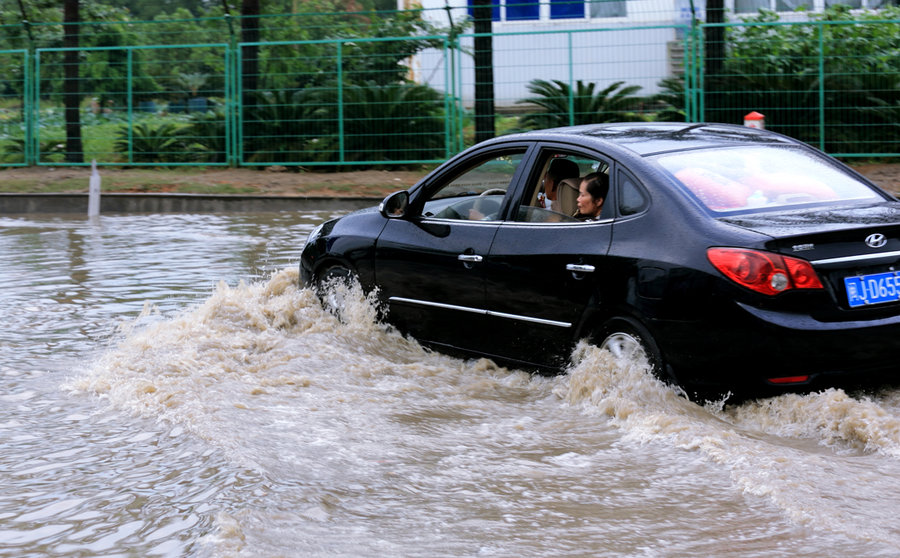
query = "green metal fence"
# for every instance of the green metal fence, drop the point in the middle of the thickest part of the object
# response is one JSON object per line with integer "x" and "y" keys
{"x": 136, "y": 109}
{"x": 833, "y": 84}
{"x": 15, "y": 126}
{"x": 338, "y": 102}
{"x": 577, "y": 76}
{"x": 325, "y": 101}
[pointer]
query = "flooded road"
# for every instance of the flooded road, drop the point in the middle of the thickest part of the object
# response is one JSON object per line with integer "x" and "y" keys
{"x": 169, "y": 390}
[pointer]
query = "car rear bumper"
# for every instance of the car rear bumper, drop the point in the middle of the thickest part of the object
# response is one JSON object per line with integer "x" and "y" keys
{"x": 750, "y": 348}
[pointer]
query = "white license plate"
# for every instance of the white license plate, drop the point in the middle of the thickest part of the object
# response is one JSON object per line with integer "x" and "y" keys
{"x": 877, "y": 288}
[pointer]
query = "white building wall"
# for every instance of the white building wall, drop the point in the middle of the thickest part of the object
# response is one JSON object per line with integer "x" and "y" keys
{"x": 633, "y": 49}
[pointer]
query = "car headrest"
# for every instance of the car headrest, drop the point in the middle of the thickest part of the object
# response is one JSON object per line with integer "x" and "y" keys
{"x": 567, "y": 195}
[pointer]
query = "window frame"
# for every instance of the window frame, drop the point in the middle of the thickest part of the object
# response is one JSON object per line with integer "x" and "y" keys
{"x": 525, "y": 11}
{"x": 455, "y": 169}
{"x": 530, "y": 184}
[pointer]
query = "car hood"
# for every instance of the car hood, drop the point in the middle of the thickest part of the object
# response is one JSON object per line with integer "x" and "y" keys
{"x": 818, "y": 219}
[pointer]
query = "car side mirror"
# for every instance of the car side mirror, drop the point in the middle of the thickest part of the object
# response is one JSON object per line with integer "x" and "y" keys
{"x": 395, "y": 205}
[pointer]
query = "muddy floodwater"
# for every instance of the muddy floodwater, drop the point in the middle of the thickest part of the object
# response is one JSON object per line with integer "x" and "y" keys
{"x": 169, "y": 390}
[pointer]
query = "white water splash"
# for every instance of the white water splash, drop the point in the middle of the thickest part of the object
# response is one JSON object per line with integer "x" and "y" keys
{"x": 757, "y": 442}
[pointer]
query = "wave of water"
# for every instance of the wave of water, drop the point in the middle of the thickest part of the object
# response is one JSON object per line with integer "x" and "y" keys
{"x": 814, "y": 456}
{"x": 342, "y": 409}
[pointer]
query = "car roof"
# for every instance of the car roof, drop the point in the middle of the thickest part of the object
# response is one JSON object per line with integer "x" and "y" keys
{"x": 649, "y": 138}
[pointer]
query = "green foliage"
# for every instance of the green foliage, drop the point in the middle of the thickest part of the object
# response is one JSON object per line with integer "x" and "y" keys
{"x": 562, "y": 106}
{"x": 670, "y": 100}
{"x": 396, "y": 122}
{"x": 380, "y": 123}
{"x": 51, "y": 150}
{"x": 206, "y": 136}
{"x": 787, "y": 72}
{"x": 283, "y": 126}
{"x": 151, "y": 144}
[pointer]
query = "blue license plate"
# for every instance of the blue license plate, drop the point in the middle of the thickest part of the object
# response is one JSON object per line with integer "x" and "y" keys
{"x": 877, "y": 288}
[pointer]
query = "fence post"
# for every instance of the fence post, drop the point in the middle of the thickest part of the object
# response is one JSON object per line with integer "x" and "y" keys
{"x": 233, "y": 102}
{"x": 130, "y": 106}
{"x": 699, "y": 62}
{"x": 571, "y": 81}
{"x": 821, "y": 27}
{"x": 32, "y": 136}
{"x": 340, "y": 98}
{"x": 692, "y": 90}
{"x": 28, "y": 108}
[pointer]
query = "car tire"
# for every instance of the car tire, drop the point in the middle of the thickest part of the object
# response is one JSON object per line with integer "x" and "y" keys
{"x": 328, "y": 287}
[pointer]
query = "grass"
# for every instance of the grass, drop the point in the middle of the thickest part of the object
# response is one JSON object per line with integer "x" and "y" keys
{"x": 210, "y": 181}
{"x": 132, "y": 184}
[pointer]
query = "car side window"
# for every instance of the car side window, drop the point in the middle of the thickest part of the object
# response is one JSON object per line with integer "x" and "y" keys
{"x": 476, "y": 193}
{"x": 553, "y": 190}
{"x": 632, "y": 198}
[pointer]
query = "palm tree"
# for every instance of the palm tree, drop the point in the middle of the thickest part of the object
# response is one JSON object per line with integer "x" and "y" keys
{"x": 402, "y": 121}
{"x": 670, "y": 100}
{"x": 563, "y": 107}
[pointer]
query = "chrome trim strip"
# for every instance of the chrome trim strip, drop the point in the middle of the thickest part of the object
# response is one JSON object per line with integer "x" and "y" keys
{"x": 436, "y": 304}
{"x": 528, "y": 319}
{"x": 567, "y": 224}
{"x": 515, "y": 224}
{"x": 440, "y": 221}
{"x": 479, "y": 311}
{"x": 859, "y": 258}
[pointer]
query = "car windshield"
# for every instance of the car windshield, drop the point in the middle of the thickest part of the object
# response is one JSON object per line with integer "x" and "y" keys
{"x": 746, "y": 179}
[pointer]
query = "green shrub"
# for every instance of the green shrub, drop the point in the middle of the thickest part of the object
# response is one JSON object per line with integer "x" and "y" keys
{"x": 799, "y": 74}
{"x": 562, "y": 106}
{"x": 396, "y": 122}
{"x": 205, "y": 136}
{"x": 163, "y": 143}
{"x": 284, "y": 126}
{"x": 51, "y": 150}
{"x": 669, "y": 102}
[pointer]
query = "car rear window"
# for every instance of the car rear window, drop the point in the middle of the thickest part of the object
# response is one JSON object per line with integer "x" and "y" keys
{"x": 744, "y": 179}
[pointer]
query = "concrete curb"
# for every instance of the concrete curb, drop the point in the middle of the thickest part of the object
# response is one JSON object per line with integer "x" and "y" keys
{"x": 174, "y": 203}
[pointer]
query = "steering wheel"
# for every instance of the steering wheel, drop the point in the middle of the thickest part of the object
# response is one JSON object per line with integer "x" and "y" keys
{"x": 493, "y": 192}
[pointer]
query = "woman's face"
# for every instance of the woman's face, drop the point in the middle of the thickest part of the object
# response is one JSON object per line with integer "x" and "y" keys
{"x": 587, "y": 205}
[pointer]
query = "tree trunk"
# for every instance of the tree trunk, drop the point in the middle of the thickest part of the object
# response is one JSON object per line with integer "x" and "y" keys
{"x": 715, "y": 38}
{"x": 250, "y": 54}
{"x": 71, "y": 83}
{"x": 484, "y": 70}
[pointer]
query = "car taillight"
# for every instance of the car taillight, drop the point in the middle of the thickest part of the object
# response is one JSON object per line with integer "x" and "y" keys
{"x": 783, "y": 380}
{"x": 764, "y": 272}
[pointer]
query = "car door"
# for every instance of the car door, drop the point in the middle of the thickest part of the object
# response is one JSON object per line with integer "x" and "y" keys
{"x": 430, "y": 264}
{"x": 542, "y": 272}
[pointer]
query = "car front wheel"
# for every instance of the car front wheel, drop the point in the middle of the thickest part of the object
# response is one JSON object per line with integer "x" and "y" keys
{"x": 332, "y": 286}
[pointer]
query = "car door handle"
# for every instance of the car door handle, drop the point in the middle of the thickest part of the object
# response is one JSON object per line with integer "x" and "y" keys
{"x": 580, "y": 268}
{"x": 469, "y": 258}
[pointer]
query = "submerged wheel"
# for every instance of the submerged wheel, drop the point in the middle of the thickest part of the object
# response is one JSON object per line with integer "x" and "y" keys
{"x": 333, "y": 274}
{"x": 627, "y": 338}
{"x": 332, "y": 286}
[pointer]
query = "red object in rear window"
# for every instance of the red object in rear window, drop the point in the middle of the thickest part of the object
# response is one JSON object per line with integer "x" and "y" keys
{"x": 764, "y": 272}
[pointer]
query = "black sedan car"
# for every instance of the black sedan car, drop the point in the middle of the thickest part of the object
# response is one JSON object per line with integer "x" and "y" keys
{"x": 735, "y": 258}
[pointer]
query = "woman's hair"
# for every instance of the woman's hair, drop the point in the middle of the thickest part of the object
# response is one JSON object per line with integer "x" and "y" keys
{"x": 597, "y": 184}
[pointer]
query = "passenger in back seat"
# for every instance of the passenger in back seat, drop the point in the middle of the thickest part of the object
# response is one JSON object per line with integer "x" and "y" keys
{"x": 591, "y": 195}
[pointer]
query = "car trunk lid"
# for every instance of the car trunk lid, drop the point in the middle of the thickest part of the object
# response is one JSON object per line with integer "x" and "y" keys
{"x": 855, "y": 250}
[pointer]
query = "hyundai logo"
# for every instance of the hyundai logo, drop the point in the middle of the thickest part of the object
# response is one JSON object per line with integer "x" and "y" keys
{"x": 876, "y": 240}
